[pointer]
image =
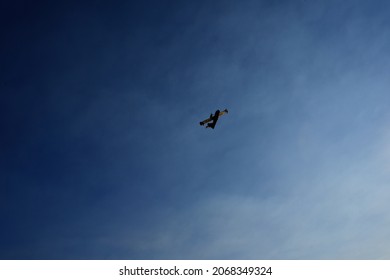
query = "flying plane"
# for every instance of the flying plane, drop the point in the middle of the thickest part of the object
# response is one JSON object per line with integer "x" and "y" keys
{"x": 213, "y": 119}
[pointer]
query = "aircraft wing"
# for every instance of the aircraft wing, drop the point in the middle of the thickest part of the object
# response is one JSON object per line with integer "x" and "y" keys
{"x": 206, "y": 121}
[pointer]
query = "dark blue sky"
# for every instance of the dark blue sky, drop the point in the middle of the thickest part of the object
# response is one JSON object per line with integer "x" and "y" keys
{"x": 102, "y": 155}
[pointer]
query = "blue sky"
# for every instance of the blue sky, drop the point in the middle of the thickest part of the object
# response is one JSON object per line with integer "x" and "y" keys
{"x": 102, "y": 155}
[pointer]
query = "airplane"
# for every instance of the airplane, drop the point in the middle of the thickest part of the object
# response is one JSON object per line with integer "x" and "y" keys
{"x": 214, "y": 119}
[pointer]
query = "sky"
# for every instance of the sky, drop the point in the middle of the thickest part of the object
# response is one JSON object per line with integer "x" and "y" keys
{"x": 101, "y": 151}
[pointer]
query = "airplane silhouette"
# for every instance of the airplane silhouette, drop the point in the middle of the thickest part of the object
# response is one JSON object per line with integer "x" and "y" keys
{"x": 214, "y": 119}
